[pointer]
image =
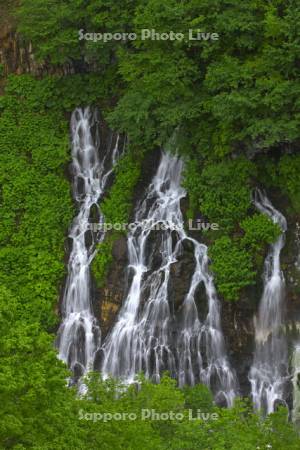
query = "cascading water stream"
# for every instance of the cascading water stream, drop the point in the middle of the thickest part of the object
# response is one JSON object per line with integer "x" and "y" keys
{"x": 148, "y": 335}
{"x": 296, "y": 385}
{"x": 269, "y": 372}
{"x": 79, "y": 334}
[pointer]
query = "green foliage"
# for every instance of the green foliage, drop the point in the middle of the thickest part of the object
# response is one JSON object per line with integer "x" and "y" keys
{"x": 232, "y": 266}
{"x": 221, "y": 191}
{"x": 35, "y": 201}
{"x": 239, "y": 92}
{"x": 259, "y": 230}
{"x": 117, "y": 205}
{"x": 37, "y": 410}
{"x": 236, "y": 261}
{"x": 36, "y": 210}
{"x": 55, "y": 93}
{"x": 54, "y": 27}
{"x": 289, "y": 179}
{"x": 198, "y": 397}
{"x": 191, "y": 181}
{"x": 283, "y": 174}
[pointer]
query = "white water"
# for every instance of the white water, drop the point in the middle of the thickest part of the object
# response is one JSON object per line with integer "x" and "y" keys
{"x": 269, "y": 372}
{"x": 79, "y": 334}
{"x": 148, "y": 336}
{"x": 296, "y": 385}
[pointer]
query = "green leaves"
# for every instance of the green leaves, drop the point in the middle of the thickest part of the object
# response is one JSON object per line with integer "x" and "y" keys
{"x": 245, "y": 84}
{"x": 36, "y": 208}
{"x": 35, "y": 200}
{"x": 259, "y": 230}
{"x": 289, "y": 179}
{"x": 232, "y": 266}
{"x": 117, "y": 205}
{"x": 221, "y": 191}
{"x": 238, "y": 95}
{"x": 236, "y": 261}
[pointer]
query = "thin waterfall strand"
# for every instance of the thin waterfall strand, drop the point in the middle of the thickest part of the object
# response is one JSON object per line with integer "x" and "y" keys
{"x": 296, "y": 385}
{"x": 269, "y": 372}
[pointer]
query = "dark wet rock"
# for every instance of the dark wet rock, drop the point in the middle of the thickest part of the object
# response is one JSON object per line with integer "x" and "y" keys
{"x": 78, "y": 371}
{"x": 98, "y": 360}
{"x": 108, "y": 300}
{"x": 238, "y": 329}
{"x": 94, "y": 214}
{"x": 181, "y": 273}
{"x": 119, "y": 250}
{"x": 236, "y": 317}
{"x": 88, "y": 238}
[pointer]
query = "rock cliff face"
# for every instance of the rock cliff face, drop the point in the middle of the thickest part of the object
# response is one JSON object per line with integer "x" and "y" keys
{"x": 16, "y": 56}
{"x": 109, "y": 299}
{"x": 237, "y": 317}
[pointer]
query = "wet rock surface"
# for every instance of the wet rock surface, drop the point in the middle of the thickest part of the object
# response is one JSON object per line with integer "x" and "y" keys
{"x": 237, "y": 317}
{"x": 109, "y": 298}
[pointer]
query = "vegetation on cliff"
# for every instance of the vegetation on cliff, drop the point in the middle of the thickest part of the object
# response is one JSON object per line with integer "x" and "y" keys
{"x": 36, "y": 210}
{"x": 230, "y": 100}
{"x": 234, "y": 103}
{"x": 116, "y": 208}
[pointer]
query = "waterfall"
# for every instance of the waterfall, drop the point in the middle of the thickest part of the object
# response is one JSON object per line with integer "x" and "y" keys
{"x": 79, "y": 333}
{"x": 296, "y": 384}
{"x": 149, "y": 335}
{"x": 269, "y": 372}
